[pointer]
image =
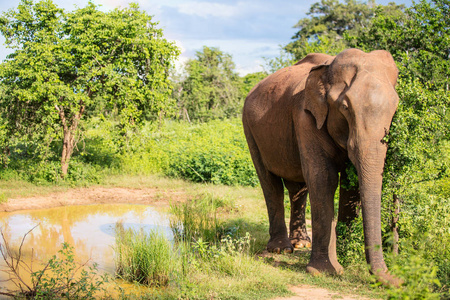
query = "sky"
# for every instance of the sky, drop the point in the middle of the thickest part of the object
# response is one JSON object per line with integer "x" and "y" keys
{"x": 249, "y": 30}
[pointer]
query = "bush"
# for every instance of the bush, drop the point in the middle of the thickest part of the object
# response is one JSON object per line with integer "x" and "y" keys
{"x": 60, "y": 278}
{"x": 213, "y": 152}
{"x": 350, "y": 243}
{"x": 419, "y": 276}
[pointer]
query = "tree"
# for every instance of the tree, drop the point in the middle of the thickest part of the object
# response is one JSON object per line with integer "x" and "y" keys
{"x": 417, "y": 169}
{"x": 328, "y": 21}
{"x": 418, "y": 38}
{"x": 64, "y": 63}
{"x": 248, "y": 81}
{"x": 211, "y": 87}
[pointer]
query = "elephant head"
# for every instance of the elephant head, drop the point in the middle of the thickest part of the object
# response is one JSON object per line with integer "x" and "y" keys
{"x": 354, "y": 97}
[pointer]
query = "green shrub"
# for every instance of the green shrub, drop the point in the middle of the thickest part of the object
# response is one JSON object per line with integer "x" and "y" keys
{"x": 213, "y": 152}
{"x": 419, "y": 276}
{"x": 424, "y": 223}
{"x": 60, "y": 278}
{"x": 350, "y": 243}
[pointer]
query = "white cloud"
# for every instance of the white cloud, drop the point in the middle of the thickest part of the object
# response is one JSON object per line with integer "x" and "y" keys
{"x": 255, "y": 66}
{"x": 207, "y": 9}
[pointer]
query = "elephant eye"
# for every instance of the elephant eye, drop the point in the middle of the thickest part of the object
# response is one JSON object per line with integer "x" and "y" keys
{"x": 344, "y": 105}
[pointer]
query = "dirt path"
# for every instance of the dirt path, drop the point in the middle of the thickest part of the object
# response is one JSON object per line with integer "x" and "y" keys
{"x": 95, "y": 195}
{"x": 306, "y": 292}
{"x": 151, "y": 196}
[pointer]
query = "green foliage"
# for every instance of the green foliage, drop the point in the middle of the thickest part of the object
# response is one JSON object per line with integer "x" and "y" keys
{"x": 350, "y": 243}
{"x": 207, "y": 152}
{"x": 211, "y": 87}
{"x": 145, "y": 258}
{"x": 218, "y": 155}
{"x": 418, "y": 275}
{"x": 225, "y": 256}
{"x": 67, "y": 66}
{"x": 63, "y": 278}
{"x": 418, "y": 138}
{"x": 423, "y": 225}
{"x": 327, "y": 22}
{"x": 417, "y": 38}
{"x": 60, "y": 278}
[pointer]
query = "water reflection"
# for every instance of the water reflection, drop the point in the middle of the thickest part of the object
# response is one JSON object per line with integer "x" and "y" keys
{"x": 90, "y": 229}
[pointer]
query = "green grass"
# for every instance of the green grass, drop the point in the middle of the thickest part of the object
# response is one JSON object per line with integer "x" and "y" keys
{"x": 144, "y": 258}
{"x": 16, "y": 188}
{"x": 205, "y": 269}
{"x": 219, "y": 235}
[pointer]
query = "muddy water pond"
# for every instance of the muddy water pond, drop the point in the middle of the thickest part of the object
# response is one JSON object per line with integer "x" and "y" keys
{"x": 90, "y": 229}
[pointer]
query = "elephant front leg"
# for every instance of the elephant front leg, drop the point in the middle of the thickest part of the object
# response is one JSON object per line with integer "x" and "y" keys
{"x": 322, "y": 184}
{"x": 297, "y": 226}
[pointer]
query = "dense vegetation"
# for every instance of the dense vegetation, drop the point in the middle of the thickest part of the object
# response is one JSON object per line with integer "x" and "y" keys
{"x": 78, "y": 104}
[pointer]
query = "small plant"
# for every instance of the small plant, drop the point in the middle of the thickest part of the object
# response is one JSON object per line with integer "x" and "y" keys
{"x": 145, "y": 258}
{"x": 419, "y": 276}
{"x": 61, "y": 277}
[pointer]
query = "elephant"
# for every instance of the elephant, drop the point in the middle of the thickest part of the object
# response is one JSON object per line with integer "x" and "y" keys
{"x": 303, "y": 124}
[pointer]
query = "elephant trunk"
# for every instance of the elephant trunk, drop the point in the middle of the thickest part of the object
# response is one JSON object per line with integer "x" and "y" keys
{"x": 370, "y": 188}
{"x": 369, "y": 162}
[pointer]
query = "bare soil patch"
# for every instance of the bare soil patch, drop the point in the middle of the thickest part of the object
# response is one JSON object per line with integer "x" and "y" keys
{"x": 95, "y": 195}
{"x": 306, "y": 292}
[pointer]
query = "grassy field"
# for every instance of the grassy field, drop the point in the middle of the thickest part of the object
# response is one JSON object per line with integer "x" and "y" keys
{"x": 228, "y": 261}
{"x": 221, "y": 184}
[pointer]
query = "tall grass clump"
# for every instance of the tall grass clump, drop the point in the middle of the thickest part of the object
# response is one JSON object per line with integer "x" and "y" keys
{"x": 145, "y": 258}
{"x": 196, "y": 219}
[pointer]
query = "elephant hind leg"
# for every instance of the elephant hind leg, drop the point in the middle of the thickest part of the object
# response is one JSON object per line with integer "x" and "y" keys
{"x": 273, "y": 190}
{"x": 273, "y": 193}
{"x": 297, "y": 227}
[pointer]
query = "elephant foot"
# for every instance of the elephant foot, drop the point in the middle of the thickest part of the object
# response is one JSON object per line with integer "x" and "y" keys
{"x": 324, "y": 266}
{"x": 304, "y": 242}
{"x": 281, "y": 245}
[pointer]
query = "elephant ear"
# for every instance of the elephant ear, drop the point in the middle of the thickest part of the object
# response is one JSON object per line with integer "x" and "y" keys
{"x": 315, "y": 94}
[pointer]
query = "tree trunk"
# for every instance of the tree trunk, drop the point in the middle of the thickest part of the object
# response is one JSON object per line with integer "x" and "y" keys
{"x": 68, "y": 144}
{"x": 69, "y": 133}
{"x": 394, "y": 225}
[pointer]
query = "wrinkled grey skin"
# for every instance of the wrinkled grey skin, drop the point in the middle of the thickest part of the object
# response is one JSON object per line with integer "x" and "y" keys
{"x": 302, "y": 124}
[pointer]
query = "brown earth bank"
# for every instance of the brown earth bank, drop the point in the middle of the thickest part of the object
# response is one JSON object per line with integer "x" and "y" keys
{"x": 148, "y": 196}
{"x": 95, "y": 195}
